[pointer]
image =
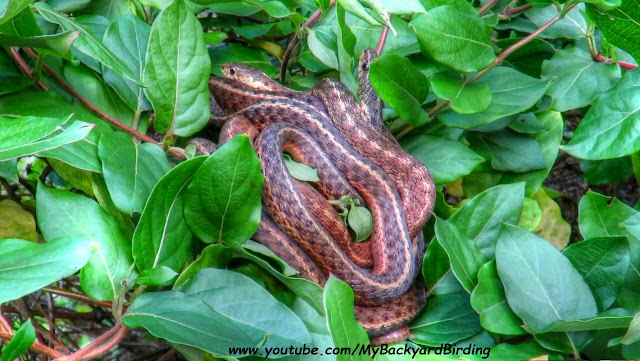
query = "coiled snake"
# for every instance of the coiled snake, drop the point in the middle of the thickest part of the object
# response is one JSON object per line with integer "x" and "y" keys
{"x": 355, "y": 155}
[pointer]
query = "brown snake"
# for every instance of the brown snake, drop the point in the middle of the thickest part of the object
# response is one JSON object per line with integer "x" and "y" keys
{"x": 318, "y": 129}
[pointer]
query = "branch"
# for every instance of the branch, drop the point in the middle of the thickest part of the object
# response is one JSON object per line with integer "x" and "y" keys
{"x": 601, "y": 59}
{"x": 25, "y": 68}
{"x": 296, "y": 40}
{"x": 93, "y": 108}
{"x": 383, "y": 38}
{"x": 511, "y": 12}
{"x": 76, "y": 296}
{"x": 36, "y": 346}
{"x": 487, "y": 6}
{"x": 100, "y": 345}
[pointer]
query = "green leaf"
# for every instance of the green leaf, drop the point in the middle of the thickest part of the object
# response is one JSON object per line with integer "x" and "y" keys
{"x": 343, "y": 327}
{"x": 310, "y": 292}
{"x": 603, "y": 263}
{"x": 512, "y": 93}
{"x": 162, "y": 237}
{"x": 130, "y": 170}
{"x": 56, "y": 44}
{"x": 252, "y": 308}
{"x": 301, "y": 171}
{"x": 578, "y": 78}
{"x": 610, "y": 127}
{"x": 11, "y": 79}
{"x": 540, "y": 283}
{"x": 76, "y": 131}
{"x": 400, "y": 84}
{"x": 465, "y": 257}
{"x": 354, "y": 7}
{"x": 21, "y": 130}
{"x": 10, "y": 8}
{"x": 187, "y": 320}
{"x": 481, "y": 218}
{"x": 86, "y": 43}
{"x": 513, "y": 152}
{"x": 454, "y": 37}
{"x": 629, "y": 296}
{"x": 446, "y": 159}
{"x": 177, "y": 71}
{"x": 346, "y": 43}
{"x": 633, "y": 334}
{"x": 599, "y": 216}
{"x": 606, "y": 171}
{"x": 611, "y": 319}
{"x": 489, "y": 301}
{"x": 159, "y": 276}
{"x": 446, "y": 319}
{"x": 620, "y": 26}
{"x": 9, "y": 170}
{"x": 323, "y": 44}
{"x": 436, "y": 271}
{"x": 82, "y": 154}
{"x": 531, "y": 215}
{"x": 25, "y": 266}
{"x": 573, "y": 25}
{"x": 465, "y": 98}
{"x": 128, "y": 36}
{"x": 549, "y": 140}
{"x": 16, "y": 222}
{"x": 21, "y": 341}
{"x": 360, "y": 221}
{"x": 65, "y": 214}
{"x": 243, "y": 54}
{"x": 212, "y": 256}
{"x": 552, "y": 227}
{"x": 223, "y": 201}
{"x": 96, "y": 91}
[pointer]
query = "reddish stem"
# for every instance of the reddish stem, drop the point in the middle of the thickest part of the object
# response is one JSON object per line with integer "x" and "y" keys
{"x": 284, "y": 64}
{"x": 510, "y": 12}
{"x": 100, "y": 345}
{"x": 383, "y": 38}
{"x": 487, "y": 6}
{"x": 36, "y": 346}
{"x": 601, "y": 59}
{"x": 76, "y": 296}
{"x": 25, "y": 68}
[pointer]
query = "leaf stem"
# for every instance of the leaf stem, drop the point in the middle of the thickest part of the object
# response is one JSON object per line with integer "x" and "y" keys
{"x": 511, "y": 12}
{"x": 601, "y": 59}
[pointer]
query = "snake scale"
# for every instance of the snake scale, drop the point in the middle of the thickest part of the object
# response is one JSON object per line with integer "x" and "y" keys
{"x": 354, "y": 154}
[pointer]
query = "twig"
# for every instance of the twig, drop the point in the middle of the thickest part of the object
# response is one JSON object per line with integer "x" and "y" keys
{"x": 100, "y": 345}
{"x": 42, "y": 332}
{"x": 487, "y": 6}
{"x": 67, "y": 315}
{"x": 296, "y": 40}
{"x": 36, "y": 346}
{"x": 25, "y": 68}
{"x": 12, "y": 195}
{"x": 601, "y": 59}
{"x": 508, "y": 51}
{"x": 76, "y": 296}
{"x": 383, "y": 38}
{"x": 497, "y": 61}
{"x": 93, "y": 108}
{"x": 5, "y": 326}
{"x": 511, "y": 12}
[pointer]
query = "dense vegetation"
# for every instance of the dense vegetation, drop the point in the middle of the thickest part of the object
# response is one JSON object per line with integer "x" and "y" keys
{"x": 109, "y": 233}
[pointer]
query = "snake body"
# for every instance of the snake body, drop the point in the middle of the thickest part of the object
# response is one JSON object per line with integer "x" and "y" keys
{"x": 318, "y": 129}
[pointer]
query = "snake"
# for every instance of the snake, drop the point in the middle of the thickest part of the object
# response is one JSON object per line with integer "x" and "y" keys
{"x": 291, "y": 121}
